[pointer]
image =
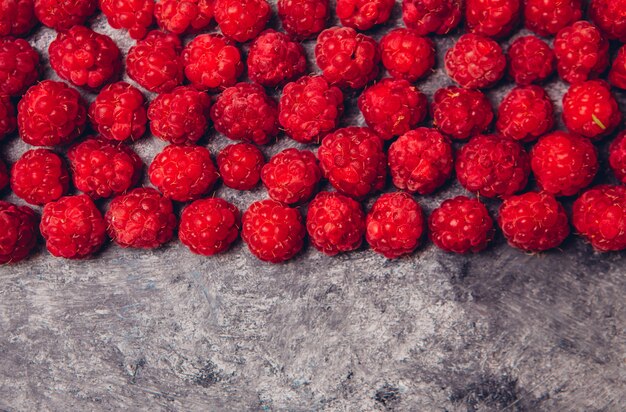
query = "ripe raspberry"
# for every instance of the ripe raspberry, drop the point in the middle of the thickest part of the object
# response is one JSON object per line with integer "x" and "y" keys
{"x": 245, "y": 112}
{"x": 135, "y": 16}
{"x": 475, "y": 62}
{"x": 118, "y": 113}
{"x": 8, "y": 120}
{"x": 610, "y": 17}
{"x": 19, "y": 232}
{"x": 180, "y": 16}
{"x": 212, "y": 62}
{"x": 461, "y": 225}
{"x": 599, "y": 215}
{"x": 617, "y": 75}
{"x": 533, "y": 222}
{"x": 461, "y": 113}
{"x": 590, "y": 109}
{"x": 531, "y": 60}
{"x": 303, "y": 18}
{"x": 525, "y": 114}
{"x": 347, "y": 58}
{"x": 242, "y": 20}
{"x": 4, "y": 175}
{"x": 141, "y": 218}
{"x": 155, "y": 62}
{"x": 617, "y": 157}
{"x": 581, "y": 51}
{"x": 274, "y": 59}
{"x": 19, "y": 68}
{"x": 292, "y": 176}
{"x": 336, "y": 223}
{"x": 363, "y": 14}
{"x": 39, "y": 176}
{"x": 432, "y": 16}
{"x": 240, "y": 165}
{"x": 492, "y": 18}
{"x": 73, "y": 227}
{"x": 563, "y": 163}
{"x": 492, "y": 166}
{"x": 394, "y": 225}
{"x": 103, "y": 169}
{"x": 393, "y": 107}
{"x": 406, "y": 55}
{"x": 353, "y": 160}
{"x": 50, "y": 114}
{"x": 274, "y": 233}
{"x": 547, "y": 17}
{"x": 420, "y": 161}
{"x": 183, "y": 173}
{"x": 17, "y": 17}
{"x": 62, "y": 15}
{"x": 209, "y": 226}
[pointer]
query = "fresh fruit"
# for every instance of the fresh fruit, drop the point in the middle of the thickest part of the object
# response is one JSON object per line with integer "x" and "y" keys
{"x": 407, "y": 55}
{"x": 303, "y": 18}
{"x": 617, "y": 157}
{"x": 118, "y": 113}
{"x": 461, "y": 113}
{"x": 180, "y": 16}
{"x": 155, "y": 62}
{"x": 363, "y": 14}
{"x": 17, "y": 17}
{"x": 19, "y": 68}
{"x": 240, "y": 165}
{"x": 274, "y": 59}
{"x": 531, "y": 60}
{"x": 432, "y": 16}
{"x": 590, "y": 109}
{"x": 39, "y": 176}
{"x": 209, "y": 226}
{"x": 8, "y": 118}
{"x": 610, "y": 17}
{"x": 241, "y": 20}
{"x": 212, "y": 62}
{"x": 525, "y": 114}
{"x": 134, "y": 16}
{"x": 492, "y": 18}
{"x": 599, "y": 215}
{"x": 582, "y": 52}
{"x": 19, "y": 232}
{"x": 547, "y": 17}
{"x": 292, "y": 176}
{"x": 475, "y": 62}
{"x": 62, "y": 15}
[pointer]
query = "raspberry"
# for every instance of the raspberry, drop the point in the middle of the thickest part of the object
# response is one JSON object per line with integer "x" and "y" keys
{"x": 581, "y": 51}
{"x": 533, "y": 222}
{"x": 17, "y": 17}
{"x": 240, "y": 165}
{"x": 599, "y": 215}
{"x": 242, "y": 20}
{"x": 353, "y": 160}
{"x": 84, "y": 57}
{"x": 73, "y": 227}
{"x": 461, "y": 225}
{"x": 590, "y": 109}
{"x": 102, "y": 169}
{"x": 180, "y": 16}
{"x": 209, "y": 226}
{"x": 62, "y": 15}
{"x": 292, "y": 176}
{"x": 212, "y": 62}
{"x": 118, "y": 112}
{"x": 336, "y": 223}
{"x": 432, "y": 16}
{"x": 617, "y": 75}
{"x": 347, "y": 58}
{"x": 475, "y": 61}
{"x": 547, "y": 17}
{"x": 8, "y": 120}
{"x": 617, "y": 157}
{"x": 531, "y": 60}
{"x": 245, "y": 112}
{"x": 4, "y": 175}
{"x": 420, "y": 161}
{"x": 492, "y": 18}
{"x": 51, "y": 113}
{"x": 155, "y": 62}
{"x": 274, "y": 233}
{"x": 19, "y": 232}
{"x": 394, "y": 225}
{"x": 393, "y": 107}
{"x": 19, "y": 68}
{"x": 492, "y": 166}
{"x": 461, "y": 113}
{"x": 39, "y": 176}
{"x": 525, "y": 114}
{"x": 406, "y": 55}
{"x": 610, "y": 17}
{"x": 363, "y": 14}
{"x": 183, "y": 173}
{"x": 274, "y": 59}
{"x": 141, "y": 218}
{"x": 303, "y": 18}
{"x": 563, "y": 163}
{"x": 136, "y": 16}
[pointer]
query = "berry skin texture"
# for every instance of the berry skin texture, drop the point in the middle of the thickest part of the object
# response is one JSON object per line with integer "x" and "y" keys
{"x": 617, "y": 157}
{"x": 4, "y": 175}
{"x": 19, "y": 232}
{"x": 347, "y": 58}
{"x": 134, "y": 16}
{"x": 180, "y": 16}
{"x": 590, "y": 109}
{"x": 407, "y": 55}
{"x": 582, "y": 52}
{"x": 492, "y": 166}
{"x": 212, "y": 62}
{"x": 533, "y": 222}
{"x": 118, "y": 113}
{"x": 394, "y": 225}
{"x": 17, "y": 17}
{"x": 547, "y": 17}
{"x": 393, "y": 107}
{"x": 353, "y": 160}
{"x": 610, "y": 17}
{"x": 303, "y": 18}
{"x": 363, "y": 14}
{"x": 531, "y": 60}
{"x": 599, "y": 215}
{"x": 20, "y": 66}
{"x": 209, "y": 226}
{"x": 432, "y": 16}
{"x": 240, "y": 166}
{"x": 274, "y": 59}
{"x": 73, "y": 227}
{"x": 8, "y": 119}
{"x": 420, "y": 161}
{"x": 461, "y": 113}
{"x": 475, "y": 62}
{"x": 183, "y": 173}
{"x": 39, "y": 177}
{"x": 273, "y": 232}
{"x": 292, "y": 176}
{"x": 492, "y": 18}
{"x": 62, "y": 15}
{"x": 525, "y": 114}
{"x": 617, "y": 75}
{"x": 140, "y": 219}
{"x": 242, "y": 20}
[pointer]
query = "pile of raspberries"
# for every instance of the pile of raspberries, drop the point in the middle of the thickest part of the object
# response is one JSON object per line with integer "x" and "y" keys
{"x": 184, "y": 77}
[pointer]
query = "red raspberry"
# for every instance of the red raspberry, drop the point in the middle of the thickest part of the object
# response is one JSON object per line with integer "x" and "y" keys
{"x": 51, "y": 113}
{"x": 180, "y": 16}
{"x": 531, "y": 60}
{"x": 39, "y": 176}
{"x": 274, "y": 233}
{"x": 475, "y": 62}
{"x": 394, "y": 225}
{"x": 17, "y": 17}
{"x": 102, "y": 169}
{"x": 461, "y": 225}
{"x": 492, "y": 166}
{"x": 4, "y": 175}
{"x": 461, "y": 113}
{"x": 406, "y": 55}
{"x": 118, "y": 113}
{"x": 19, "y": 68}
{"x": 617, "y": 75}
{"x": 62, "y": 15}
{"x": 617, "y": 157}
{"x": 19, "y": 232}
{"x": 336, "y": 223}
{"x": 209, "y": 226}
{"x": 420, "y": 161}
{"x": 353, "y": 160}
{"x": 432, "y": 16}
{"x": 141, "y": 218}
{"x": 155, "y": 62}
{"x": 590, "y": 109}
{"x": 581, "y": 52}
{"x": 135, "y": 16}
{"x": 393, "y": 107}
{"x": 240, "y": 165}
{"x": 533, "y": 222}
{"x": 8, "y": 120}
{"x": 547, "y": 17}
{"x": 292, "y": 176}
{"x": 363, "y": 14}
{"x": 347, "y": 58}
{"x": 525, "y": 114}
{"x": 245, "y": 112}
{"x": 610, "y": 17}
{"x": 599, "y": 215}
{"x": 212, "y": 62}
{"x": 563, "y": 163}
{"x": 73, "y": 227}
{"x": 242, "y": 20}
{"x": 183, "y": 173}
{"x": 492, "y": 18}
{"x": 303, "y": 18}
{"x": 274, "y": 59}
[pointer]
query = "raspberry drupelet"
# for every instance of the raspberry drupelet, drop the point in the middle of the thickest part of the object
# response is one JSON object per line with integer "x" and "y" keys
{"x": 8, "y": 118}
{"x": 407, "y": 55}
{"x": 531, "y": 60}
{"x": 610, "y": 17}
{"x": 525, "y": 114}
{"x": 363, "y": 14}
{"x": 134, "y": 16}
{"x": 118, "y": 113}
{"x": 212, "y": 62}
{"x": 17, "y": 17}
{"x": 240, "y": 165}
{"x": 432, "y": 16}
{"x": 461, "y": 113}
{"x": 209, "y": 226}
{"x": 475, "y": 62}
{"x": 180, "y": 16}
{"x": 617, "y": 75}
{"x": 242, "y": 20}
{"x": 581, "y": 51}
{"x": 19, "y": 232}
{"x": 617, "y": 157}
{"x": 547, "y": 17}
{"x": 19, "y": 68}
{"x": 599, "y": 215}
{"x": 4, "y": 175}
{"x": 62, "y": 15}
{"x": 274, "y": 59}
{"x": 292, "y": 176}
{"x": 590, "y": 109}
{"x": 492, "y": 18}
{"x": 40, "y": 176}
{"x": 303, "y": 18}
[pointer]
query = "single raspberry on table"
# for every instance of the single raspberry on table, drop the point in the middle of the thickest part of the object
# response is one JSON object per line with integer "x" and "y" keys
{"x": 209, "y": 226}
{"x": 4, "y": 175}
{"x": 64, "y": 14}
{"x": 599, "y": 215}
{"x": 363, "y": 14}
{"x": 407, "y": 55}
{"x": 240, "y": 165}
{"x": 617, "y": 75}
{"x": 274, "y": 59}
{"x": 19, "y": 232}
{"x": 525, "y": 114}
{"x": 581, "y": 51}
{"x": 17, "y": 17}
{"x": 19, "y": 68}
{"x": 118, "y": 113}
{"x": 432, "y": 16}
{"x": 155, "y": 62}
{"x": 40, "y": 176}
{"x": 610, "y": 17}
{"x": 292, "y": 176}
{"x": 134, "y": 16}
{"x": 590, "y": 109}
{"x": 531, "y": 60}
{"x": 475, "y": 62}
{"x": 180, "y": 16}
{"x": 547, "y": 17}
{"x": 617, "y": 157}
{"x": 461, "y": 113}
{"x": 242, "y": 20}
{"x": 212, "y": 62}
{"x": 8, "y": 118}
{"x": 492, "y": 18}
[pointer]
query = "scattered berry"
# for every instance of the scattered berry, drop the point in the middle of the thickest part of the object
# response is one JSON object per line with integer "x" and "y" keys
{"x": 617, "y": 157}
{"x": 209, "y": 226}
{"x": 610, "y": 17}
{"x": 475, "y": 62}
{"x": 492, "y": 18}
{"x": 19, "y": 68}
{"x": 363, "y": 14}
{"x": 432, "y": 16}
{"x": 242, "y": 20}
{"x": 64, "y": 14}
{"x": 292, "y": 176}
{"x": 599, "y": 215}
{"x": 407, "y": 55}
{"x": 118, "y": 112}
{"x": 274, "y": 59}
{"x": 180, "y": 16}
{"x": 240, "y": 165}
{"x": 525, "y": 114}
{"x": 531, "y": 60}
{"x": 547, "y": 17}
{"x": 8, "y": 119}
{"x": 581, "y": 51}
{"x": 155, "y": 62}
{"x": 39, "y": 176}
{"x": 4, "y": 175}
{"x": 461, "y": 113}
{"x": 617, "y": 75}
{"x": 17, "y": 17}
{"x": 134, "y": 16}
{"x": 590, "y": 109}
{"x": 212, "y": 62}
{"x": 19, "y": 232}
